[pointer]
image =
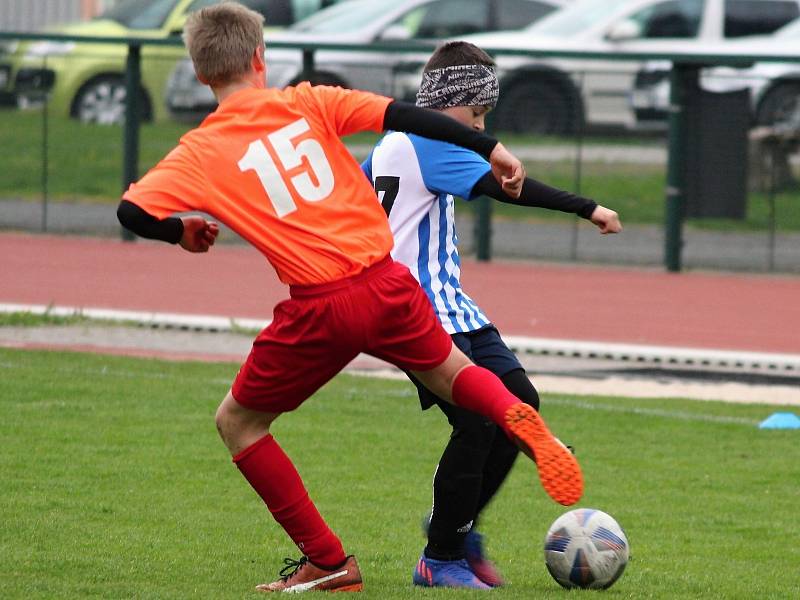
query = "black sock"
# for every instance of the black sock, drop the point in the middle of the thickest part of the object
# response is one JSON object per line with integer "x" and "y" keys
{"x": 458, "y": 482}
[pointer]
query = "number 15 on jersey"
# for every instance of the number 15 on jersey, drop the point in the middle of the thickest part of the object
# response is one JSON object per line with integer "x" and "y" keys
{"x": 276, "y": 186}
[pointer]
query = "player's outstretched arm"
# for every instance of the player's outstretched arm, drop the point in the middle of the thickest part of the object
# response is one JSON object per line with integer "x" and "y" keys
{"x": 506, "y": 168}
{"x": 194, "y": 233}
{"x": 537, "y": 194}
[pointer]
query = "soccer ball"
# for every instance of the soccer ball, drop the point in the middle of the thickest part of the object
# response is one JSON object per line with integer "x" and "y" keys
{"x": 585, "y": 548}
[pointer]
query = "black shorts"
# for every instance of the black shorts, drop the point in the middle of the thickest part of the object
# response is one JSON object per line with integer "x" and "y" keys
{"x": 485, "y": 348}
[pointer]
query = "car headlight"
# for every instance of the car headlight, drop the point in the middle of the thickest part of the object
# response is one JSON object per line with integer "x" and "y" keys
{"x": 49, "y": 48}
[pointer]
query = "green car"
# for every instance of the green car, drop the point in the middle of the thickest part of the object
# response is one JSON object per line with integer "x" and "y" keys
{"x": 87, "y": 81}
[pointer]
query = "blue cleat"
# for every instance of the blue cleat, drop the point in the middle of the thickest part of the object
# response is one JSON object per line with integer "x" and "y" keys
{"x": 483, "y": 568}
{"x": 446, "y": 573}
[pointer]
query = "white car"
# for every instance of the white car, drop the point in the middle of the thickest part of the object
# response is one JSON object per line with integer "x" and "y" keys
{"x": 368, "y": 22}
{"x": 557, "y": 95}
{"x": 774, "y": 86}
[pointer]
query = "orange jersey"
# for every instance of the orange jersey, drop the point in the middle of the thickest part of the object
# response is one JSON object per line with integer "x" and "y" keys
{"x": 270, "y": 164}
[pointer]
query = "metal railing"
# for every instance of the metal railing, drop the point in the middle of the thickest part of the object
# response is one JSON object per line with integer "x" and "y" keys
{"x": 684, "y": 76}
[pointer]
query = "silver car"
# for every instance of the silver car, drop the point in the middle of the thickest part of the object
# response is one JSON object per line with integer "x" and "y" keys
{"x": 558, "y": 95}
{"x": 367, "y": 22}
{"x": 774, "y": 86}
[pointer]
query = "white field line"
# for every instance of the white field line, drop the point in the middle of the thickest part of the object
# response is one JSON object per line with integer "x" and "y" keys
{"x": 652, "y": 412}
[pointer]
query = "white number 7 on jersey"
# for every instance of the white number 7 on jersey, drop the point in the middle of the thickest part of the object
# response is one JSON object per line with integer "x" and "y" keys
{"x": 257, "y": 158}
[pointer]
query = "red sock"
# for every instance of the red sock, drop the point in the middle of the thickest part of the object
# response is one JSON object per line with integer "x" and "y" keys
{"x": 273, "y": 476}
{"x": 479, "y": 390}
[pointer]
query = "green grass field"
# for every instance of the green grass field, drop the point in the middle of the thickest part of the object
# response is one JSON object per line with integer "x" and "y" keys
{"x": 85, "y": 164}
{"x": 116, "y": 486}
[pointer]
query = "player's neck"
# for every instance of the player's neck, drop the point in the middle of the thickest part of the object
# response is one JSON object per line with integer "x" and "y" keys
{"x": 223, "y": 92}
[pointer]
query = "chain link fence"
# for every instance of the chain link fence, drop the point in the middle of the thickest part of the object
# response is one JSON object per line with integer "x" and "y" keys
{"x": 63, "y": 161}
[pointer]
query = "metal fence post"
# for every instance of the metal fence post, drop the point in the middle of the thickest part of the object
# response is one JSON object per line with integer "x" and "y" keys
{"x": 682, "y": 79}
{"x": 130, "y": 164}
{"x": 45, "y": 156}
{"x": 308, "y": 64}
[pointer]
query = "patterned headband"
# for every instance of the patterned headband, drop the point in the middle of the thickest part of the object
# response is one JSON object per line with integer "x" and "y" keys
{"x": 460, "y": 85}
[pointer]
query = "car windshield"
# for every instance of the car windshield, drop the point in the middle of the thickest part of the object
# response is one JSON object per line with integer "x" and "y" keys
{"x": 576, "y": 17}
{"x": 140, "y": 14}
{"x": 347, "y": 16}
{"x": 790, "y": 31}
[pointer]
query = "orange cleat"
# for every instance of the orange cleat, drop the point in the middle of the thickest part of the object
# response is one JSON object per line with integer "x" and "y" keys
{"x": 559, "y": 470}
{"x": 304, "y": 576}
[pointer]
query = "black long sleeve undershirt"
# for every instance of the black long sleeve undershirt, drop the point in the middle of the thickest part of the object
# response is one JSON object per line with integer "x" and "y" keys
{"x": 536, "y": 193}
{"x": 406, "y": 117}
{"x": 143, "y": 224}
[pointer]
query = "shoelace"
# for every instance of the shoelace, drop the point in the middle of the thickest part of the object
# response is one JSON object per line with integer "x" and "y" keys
{"x": 291, "y": 567}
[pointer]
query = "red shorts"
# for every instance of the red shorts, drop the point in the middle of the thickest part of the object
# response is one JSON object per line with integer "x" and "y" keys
{"x": 382, "y": 311}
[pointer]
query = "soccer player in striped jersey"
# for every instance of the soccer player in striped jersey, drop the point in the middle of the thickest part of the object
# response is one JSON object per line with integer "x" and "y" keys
{"x": 415, "y": 179}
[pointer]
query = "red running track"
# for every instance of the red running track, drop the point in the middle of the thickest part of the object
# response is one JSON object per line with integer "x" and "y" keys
{"x": 697, "y": 310}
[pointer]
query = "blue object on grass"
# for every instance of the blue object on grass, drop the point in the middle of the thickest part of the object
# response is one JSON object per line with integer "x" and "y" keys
{"x": 781, "y": 420}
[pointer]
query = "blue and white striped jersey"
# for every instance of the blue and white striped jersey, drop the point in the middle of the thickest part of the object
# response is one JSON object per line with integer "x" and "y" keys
{"x": 415, "y": 179}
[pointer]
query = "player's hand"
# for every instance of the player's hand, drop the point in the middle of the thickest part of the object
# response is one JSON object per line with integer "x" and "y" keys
{"x": 508, "y": 170}
{"x": 606, "y": 219}
{"x": 198, "y": 234}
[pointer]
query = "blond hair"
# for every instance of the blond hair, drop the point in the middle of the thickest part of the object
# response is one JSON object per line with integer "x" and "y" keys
{"x": 221, "y": 40}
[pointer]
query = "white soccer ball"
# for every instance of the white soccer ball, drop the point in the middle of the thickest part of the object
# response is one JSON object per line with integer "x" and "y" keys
{"x": 585, "y": 548}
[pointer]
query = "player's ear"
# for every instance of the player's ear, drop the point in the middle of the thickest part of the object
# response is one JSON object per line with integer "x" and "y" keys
{"x": 259, "y": 62}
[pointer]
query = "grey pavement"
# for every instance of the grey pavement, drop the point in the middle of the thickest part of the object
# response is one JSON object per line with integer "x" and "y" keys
{"x": 565, "y": 241}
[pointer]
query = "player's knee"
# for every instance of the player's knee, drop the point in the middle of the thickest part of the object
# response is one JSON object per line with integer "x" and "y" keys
{"x": 518, "y": 383}
{"x": 219, "y": 421}
{"x": 224, "y": 417}
{"x": 240, "y": 426}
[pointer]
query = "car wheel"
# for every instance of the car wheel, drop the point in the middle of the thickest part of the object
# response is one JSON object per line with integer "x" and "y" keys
{"x": 541, "y": 107}
{"x": 780, "y": 105}
{"x": 102, "y": 101}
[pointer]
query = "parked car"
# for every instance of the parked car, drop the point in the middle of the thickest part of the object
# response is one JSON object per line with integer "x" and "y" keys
{"x": 367, "y": 22}
{"x": 87, "y": 80}
{"x": 556, "y": 95}
{"x": 774, "y": 86}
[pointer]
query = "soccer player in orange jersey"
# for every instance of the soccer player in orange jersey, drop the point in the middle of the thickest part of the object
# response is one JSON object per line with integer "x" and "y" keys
{"x": 270, "y": 164}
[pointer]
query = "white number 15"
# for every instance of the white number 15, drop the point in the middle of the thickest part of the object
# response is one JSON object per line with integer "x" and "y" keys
{"x": 258, "y": 159}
